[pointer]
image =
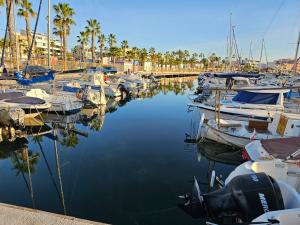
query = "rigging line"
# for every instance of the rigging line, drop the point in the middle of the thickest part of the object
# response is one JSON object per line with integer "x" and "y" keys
{"x": 49, "y": 169}
{"x": 236, "y": 47}
{"x": 273, "y": 17}
{"x": 29, "y": 188}
{"x": 29, "y": 177}
{"x": 266, "y": 54}
{"x": 261, "y": 50}
{"x": 59, "y": 173}
{"x": 5, "y": 35}
{"x": 33, "y": 38}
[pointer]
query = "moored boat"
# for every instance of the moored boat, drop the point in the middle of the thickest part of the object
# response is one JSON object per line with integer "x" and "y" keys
{"x": 256, "y": 104}
{"x": 62, "y": 104}
{"x": 240, "y": 133}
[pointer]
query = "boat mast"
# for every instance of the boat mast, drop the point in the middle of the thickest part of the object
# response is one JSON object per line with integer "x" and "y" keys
{"x": 226, "y": 54}
{"x": 49, "y": 56}
{"x": 59, "y": 171}
{"x": 16, "y": 37}
{"x": 296, "y": 56}
{"x": 230, "y": 42}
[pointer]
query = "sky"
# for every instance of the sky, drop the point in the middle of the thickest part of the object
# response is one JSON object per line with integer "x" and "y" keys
{"x": 195, "y": 25}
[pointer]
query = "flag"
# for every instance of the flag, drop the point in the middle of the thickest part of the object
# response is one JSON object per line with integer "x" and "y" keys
{"x": 253, "y": 135}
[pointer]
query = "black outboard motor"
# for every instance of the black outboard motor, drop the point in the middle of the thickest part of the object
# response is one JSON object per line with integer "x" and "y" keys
{"x": 244, "y": 198}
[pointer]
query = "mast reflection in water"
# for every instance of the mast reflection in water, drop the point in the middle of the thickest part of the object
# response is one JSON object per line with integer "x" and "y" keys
{"x": 123, "y": 163}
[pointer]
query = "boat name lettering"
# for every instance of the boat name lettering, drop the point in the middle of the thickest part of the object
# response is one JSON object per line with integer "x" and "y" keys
{"x": 254, "y": 177}
{"x": 263, "y": 202}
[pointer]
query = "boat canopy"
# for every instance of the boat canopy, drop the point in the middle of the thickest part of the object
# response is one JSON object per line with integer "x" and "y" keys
{"x": 240, "y": 74}
{"x": 109, "y": 69}
{"x": 21, "y": 80}
{"x": 282, "y": 147}
{"x": 256, "y": 98}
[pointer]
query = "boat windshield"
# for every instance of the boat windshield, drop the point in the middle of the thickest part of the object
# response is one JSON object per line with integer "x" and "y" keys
{"x": 256, "y": 98}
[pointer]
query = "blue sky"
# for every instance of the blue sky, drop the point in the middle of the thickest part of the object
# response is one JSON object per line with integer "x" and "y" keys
{"x": 196, "y": 25}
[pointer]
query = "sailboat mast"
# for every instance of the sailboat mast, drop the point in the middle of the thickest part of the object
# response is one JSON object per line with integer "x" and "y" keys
{"x": 49, "y": 18}
{"x": 230, "y": 42}
{"x": 16, "y": 37}
{"x": 296, "y": 56}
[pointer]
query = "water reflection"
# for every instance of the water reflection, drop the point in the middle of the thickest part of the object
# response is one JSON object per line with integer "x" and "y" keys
{"x": 121, "y": 163}
{"x": 219, "y": 153}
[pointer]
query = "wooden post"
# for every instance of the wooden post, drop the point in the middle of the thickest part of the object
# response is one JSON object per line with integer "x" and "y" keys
{"x": 219, "y": 107}
{"x": 216, "y": 105}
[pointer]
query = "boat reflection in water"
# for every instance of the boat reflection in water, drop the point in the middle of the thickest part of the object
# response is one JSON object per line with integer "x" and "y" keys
{"x": 220, "y": 153}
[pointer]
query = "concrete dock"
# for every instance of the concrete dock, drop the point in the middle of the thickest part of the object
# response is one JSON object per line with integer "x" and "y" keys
{"x": 15, "y": 215}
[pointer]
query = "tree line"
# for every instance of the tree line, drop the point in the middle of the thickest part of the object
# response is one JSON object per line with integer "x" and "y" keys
{"x": 91, "y": 39}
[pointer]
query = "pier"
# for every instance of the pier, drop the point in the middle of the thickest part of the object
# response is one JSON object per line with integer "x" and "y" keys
{"x": 15, "y": 215}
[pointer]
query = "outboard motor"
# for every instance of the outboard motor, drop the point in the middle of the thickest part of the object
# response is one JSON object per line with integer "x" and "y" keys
{"x": 244, "y": 198}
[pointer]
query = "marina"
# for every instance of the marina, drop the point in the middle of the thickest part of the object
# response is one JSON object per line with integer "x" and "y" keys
{"x": 99, "y": 130}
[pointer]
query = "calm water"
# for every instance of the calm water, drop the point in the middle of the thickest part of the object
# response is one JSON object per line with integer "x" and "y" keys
{"x": 124, "y": 167}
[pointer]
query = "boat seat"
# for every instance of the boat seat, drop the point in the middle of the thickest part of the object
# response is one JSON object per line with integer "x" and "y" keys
{"x": 229, "y": 123}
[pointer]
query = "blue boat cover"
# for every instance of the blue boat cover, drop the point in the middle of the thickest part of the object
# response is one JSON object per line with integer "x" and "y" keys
{"x": 256, "y": 98}
{"x": 71, "y": 89}
{"x": 21, "y": 80}
{"x": 230, "y": 75}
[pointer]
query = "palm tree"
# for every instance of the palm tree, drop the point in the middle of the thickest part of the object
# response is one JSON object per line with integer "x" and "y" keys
{"x": 70, "y": 140}
{"x": 25, "y": 161}
{"x": 6, "y": 50}
{"x": 1, "y": 3}
{"x": 62, "y": 22}
{"x": 112, "y": 41}
{"x": 93, "y": 28}
{"x": 124, "y": 47}
{"x": 57, "y": 31}
{"x": 193, "y": 60}
{"x": 186, "y": 56}
{"x": 11, "y": 32}
{"x": 82, "y": 39}
{"x": 101, "y": 42}
{"x": 143, "y": 55}
{"x": 115, "y": 52}
{"x": 153, "y": 56}
{"x": 26, "y": 11}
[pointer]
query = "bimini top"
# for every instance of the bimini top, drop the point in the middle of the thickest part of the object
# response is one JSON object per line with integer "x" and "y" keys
{"x": 282, "y": 147}
{"x": 237, "y": 74}
{"x": 273, "y": 90}
{"x": 259, "y": 97}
